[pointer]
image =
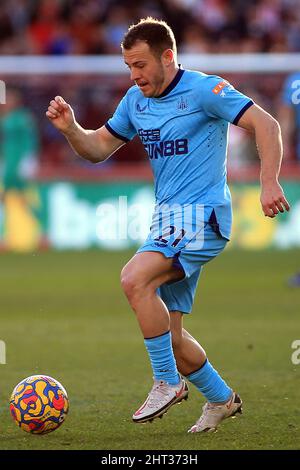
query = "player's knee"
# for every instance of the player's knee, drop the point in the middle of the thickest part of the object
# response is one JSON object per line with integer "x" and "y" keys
{"x": 132, "y": 285}
{"x": 127, "y": 282}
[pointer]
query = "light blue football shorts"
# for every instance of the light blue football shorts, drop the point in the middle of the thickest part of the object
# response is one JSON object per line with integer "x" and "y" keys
{"x": 179, "y": 295}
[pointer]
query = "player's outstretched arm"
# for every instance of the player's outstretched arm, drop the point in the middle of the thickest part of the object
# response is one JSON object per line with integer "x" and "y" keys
{"x": 92, "y": 145}
{"x": 269, "y": 142}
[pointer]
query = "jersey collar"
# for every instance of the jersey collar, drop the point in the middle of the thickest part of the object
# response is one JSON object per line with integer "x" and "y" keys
{"x": 173, "y": 83}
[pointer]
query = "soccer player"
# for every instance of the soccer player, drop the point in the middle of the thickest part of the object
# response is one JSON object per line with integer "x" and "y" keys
{"x": 289, "y": 116}
{"x": 182, "y": 118}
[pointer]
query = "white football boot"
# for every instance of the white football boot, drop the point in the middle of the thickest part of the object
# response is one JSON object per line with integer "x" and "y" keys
{"x": 161, "y": 397}
{"x": 214, "y": 413}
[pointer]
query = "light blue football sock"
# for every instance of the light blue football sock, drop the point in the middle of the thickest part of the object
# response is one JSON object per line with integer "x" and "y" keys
{"x": 162, "y": 358}
{"x": 210, "y": 384}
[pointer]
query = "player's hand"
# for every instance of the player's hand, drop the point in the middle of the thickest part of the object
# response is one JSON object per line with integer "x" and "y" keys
{"x": 273, "y": 199}
{"x": 60, "y": 114}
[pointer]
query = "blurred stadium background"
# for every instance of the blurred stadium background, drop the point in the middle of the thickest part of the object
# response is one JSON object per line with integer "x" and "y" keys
{"x": 71, "y": 48}
{"x": 56, "y": 201}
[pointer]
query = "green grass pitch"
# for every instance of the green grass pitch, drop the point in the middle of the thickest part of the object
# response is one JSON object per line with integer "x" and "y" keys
{"x": 64, "y": 315}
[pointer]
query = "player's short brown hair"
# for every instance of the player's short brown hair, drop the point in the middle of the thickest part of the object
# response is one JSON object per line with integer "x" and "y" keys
{"x": 156, "y": 33}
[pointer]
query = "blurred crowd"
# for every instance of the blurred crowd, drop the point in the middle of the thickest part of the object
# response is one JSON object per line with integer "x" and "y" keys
{"x": 97, "y": 26}
{"x": 64, "y": 27}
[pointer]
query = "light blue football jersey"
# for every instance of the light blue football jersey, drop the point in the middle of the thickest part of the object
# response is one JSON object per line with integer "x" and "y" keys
{"x": 185, "y": 134}
{"x": 291, "y": 97}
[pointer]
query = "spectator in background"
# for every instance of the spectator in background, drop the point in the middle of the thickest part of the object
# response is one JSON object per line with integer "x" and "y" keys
{"x": 41, "y": 30}
{"x": 291, "y": 22}
{"x": 194, "y": 41}
{"x": 289, "y": 116}
{"x": 19, "y": 142}
{"x": 19, "y": 146}
{"x": 118, "y": 21}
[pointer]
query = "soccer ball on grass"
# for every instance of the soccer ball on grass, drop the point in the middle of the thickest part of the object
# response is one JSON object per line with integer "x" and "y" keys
{"x": 39, "y": 404}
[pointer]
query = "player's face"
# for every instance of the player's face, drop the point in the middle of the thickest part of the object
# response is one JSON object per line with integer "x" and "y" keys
{"x": 146, "y": 69}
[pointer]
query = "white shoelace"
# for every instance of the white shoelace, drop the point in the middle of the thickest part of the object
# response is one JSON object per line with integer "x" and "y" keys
{"x": 206, "y": 409}
{"x": 158, "y": 393}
